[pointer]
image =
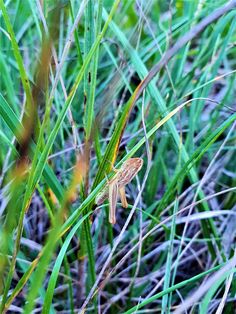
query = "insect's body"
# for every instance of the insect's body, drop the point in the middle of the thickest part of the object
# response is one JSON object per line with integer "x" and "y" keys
{"x": 123, "y": 176}
{"x": 129, "y": 170}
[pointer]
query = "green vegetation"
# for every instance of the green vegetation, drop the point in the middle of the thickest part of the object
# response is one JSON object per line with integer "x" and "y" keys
{"x": 86, "y": 85}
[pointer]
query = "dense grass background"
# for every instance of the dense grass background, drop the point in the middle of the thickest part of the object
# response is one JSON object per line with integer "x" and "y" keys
{"x": 77, "y": 98}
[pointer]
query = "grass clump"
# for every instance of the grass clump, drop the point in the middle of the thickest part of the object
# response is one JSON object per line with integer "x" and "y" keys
{"x": 85, "y": 86}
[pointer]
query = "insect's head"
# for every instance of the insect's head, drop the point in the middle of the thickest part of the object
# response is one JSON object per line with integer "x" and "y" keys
{"x": 136, "y": 163}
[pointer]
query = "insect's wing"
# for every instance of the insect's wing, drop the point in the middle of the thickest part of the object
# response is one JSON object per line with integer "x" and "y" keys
{"x": 113, "y": 194}
{"x": 123, "y": 196}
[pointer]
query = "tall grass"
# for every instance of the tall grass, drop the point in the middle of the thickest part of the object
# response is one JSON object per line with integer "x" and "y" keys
{"x": 72, "y": 77}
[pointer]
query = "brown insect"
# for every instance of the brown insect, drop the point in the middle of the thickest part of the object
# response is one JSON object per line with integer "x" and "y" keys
{"x": 123, "y": 176}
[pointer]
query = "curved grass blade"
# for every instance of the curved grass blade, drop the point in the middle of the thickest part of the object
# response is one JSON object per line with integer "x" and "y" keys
{"x": 173, "y": 288}
{"x": 57, "y": 266}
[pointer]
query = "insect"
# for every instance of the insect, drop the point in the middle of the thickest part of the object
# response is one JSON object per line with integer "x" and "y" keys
{"x": 116, "y": 186}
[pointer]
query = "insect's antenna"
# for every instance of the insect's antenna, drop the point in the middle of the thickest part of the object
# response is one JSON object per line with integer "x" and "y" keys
{"x": 106, "y": 178}
{"x": 113, "y": 168}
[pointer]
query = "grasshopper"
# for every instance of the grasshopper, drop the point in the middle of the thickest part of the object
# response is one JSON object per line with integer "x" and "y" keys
{"x": 116, "y": 186}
